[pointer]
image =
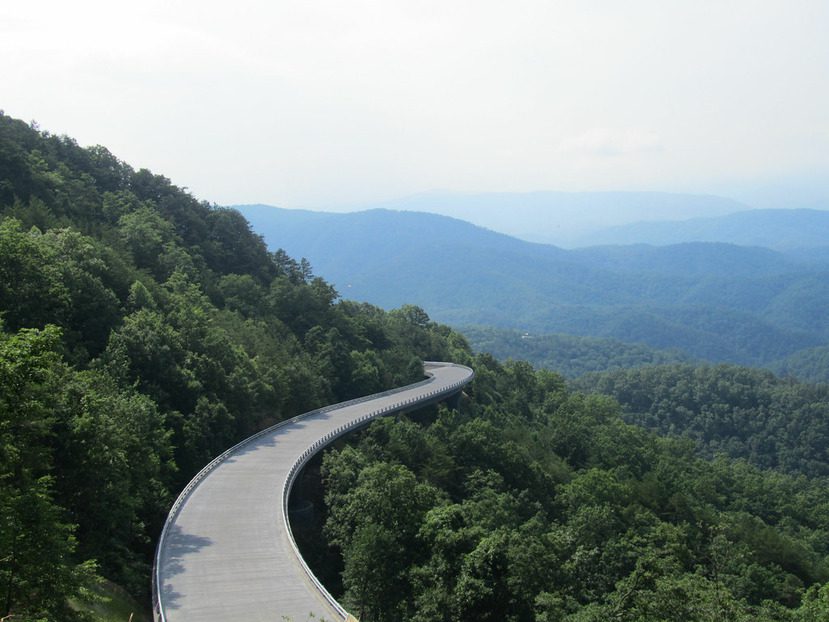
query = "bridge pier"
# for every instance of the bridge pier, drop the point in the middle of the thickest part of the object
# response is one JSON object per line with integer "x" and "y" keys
{"x": 454, "y": 400}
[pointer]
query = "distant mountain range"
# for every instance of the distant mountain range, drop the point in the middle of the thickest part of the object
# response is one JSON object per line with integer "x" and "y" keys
{"x": 562, "y": 218}
{"x": 717, "y": 302}
{"x": 786, "y": 230}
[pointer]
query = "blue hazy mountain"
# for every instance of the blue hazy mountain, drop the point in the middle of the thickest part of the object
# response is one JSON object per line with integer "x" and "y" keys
{"x": 562, "y": 217}
{"x": 713, "y": 301}
{"x": 780, "y": 229}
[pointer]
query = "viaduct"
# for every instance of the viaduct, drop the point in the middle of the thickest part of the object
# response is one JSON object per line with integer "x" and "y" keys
{"x": 227, "y": 553}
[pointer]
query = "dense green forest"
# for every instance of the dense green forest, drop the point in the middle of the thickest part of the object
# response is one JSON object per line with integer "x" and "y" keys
{"x": 535, "y": 502}
{"x": 734, "y": 411}
{"x": 810, "y": 365}
{"x": 569, "y": 355}
{"x": 143, "y": 332}
{"x": 573, "y": 356}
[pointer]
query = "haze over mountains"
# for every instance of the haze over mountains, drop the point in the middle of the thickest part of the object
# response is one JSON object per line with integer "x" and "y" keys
{"x": 563, "y": 218}
{"x": 785, "y": 230}
{"x": 145, "y": 331}
{"x": 713, "y": 301}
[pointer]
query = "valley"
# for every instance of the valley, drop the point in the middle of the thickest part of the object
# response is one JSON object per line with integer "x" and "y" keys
{"x": 712, "y": 301}
{"x": 145, "y": 332}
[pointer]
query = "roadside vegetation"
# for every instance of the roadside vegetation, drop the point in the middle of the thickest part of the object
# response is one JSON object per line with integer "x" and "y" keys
{"x": 142, "y": 332}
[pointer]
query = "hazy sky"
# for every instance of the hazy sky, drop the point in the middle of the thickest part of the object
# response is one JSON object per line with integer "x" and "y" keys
{"x": 319, "y": 103}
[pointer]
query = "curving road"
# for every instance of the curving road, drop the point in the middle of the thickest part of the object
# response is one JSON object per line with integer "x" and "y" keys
{"x": 226, "y": 552}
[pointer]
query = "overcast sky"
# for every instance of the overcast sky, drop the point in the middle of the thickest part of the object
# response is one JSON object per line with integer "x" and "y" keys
{"x": 322, "y": 103}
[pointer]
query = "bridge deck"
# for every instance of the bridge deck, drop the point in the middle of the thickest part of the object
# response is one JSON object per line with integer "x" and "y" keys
{"x": 226, "y": 553}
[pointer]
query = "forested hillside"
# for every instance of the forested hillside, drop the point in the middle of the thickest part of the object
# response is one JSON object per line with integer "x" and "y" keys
{"x": 733, "y": 411}
{"x": 538, "y": 503}
{"x": 716, "y": 302}
{"x": 144, "y": 332}
{"x": 810, "y": 365}
{"x": 568, "y": 355}
{"x": 573, "y": 356}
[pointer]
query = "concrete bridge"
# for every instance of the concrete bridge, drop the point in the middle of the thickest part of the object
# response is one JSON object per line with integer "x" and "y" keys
{"x": 227, "y": 553}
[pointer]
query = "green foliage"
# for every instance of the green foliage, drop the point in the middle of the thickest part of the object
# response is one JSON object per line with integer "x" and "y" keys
{"x": 809, "y": 365}
{"x": 740, "y": 412}
{"x": 815, "y": 607}
{"x": 38, "y": 570}
{"x": 31, "y": 287}
{"x": 114, "y": 461}
{"x": 143, "y": 333}
{"x": 543, "y": 504}
{"x": 568, "y": 355}
{"x": 150, "y": 239}
{"x": 108, "y": 602}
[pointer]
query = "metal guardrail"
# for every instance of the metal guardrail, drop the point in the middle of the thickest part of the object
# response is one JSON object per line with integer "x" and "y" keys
{"x": 318, "y": 445}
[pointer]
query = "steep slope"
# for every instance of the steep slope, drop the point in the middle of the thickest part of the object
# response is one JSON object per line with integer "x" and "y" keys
{"x": 143, "y": 332}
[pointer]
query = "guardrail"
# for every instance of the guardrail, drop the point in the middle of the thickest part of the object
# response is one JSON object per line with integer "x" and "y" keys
{"x": 318, "y": 445}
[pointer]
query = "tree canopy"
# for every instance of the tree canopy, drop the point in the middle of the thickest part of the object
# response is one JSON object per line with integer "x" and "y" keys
{"x": 143, "y": 333}
{"x": 535, "y": 502}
